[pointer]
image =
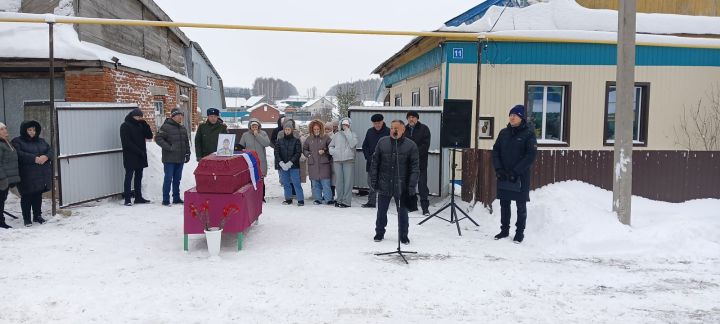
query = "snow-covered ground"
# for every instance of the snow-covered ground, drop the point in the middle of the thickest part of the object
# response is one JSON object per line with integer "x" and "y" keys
{"x": 315, "y": 264}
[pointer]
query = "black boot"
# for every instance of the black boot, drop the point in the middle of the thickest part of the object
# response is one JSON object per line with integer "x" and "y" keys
{"x": 38, "y": 219}
{"x": 2, "y": 222}
{"x": 26, "y": 218}
{"x": 503, "y": 234}
{"x": 519, "y": 236}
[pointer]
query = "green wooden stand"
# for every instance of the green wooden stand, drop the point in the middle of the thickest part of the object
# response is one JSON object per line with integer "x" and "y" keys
{"x": 240, "y": 238}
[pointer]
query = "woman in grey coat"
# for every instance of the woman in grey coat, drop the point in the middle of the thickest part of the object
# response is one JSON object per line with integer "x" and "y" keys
{"x": 9, "y": 172}
{"x": 342, "y": 149}
{"x": 256, "y": 139}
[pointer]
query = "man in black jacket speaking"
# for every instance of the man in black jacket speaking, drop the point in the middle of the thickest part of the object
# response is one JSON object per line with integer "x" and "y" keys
{"x": 394, "y": 173}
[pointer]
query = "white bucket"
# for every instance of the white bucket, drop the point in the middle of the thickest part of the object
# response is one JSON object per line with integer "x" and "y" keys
{"x": 213, "y": 237}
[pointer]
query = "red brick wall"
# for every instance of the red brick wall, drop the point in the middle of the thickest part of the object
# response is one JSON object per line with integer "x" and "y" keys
{"x": 196, "y": 115}
{"x": 269, "y": 116}
{"x": 111, "y": 85}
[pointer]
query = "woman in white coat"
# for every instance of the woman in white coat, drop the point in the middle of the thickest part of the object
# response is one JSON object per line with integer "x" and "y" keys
{"x": 342, "y": 149}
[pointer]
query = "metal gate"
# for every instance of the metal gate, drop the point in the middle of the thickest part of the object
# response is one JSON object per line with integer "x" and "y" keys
{"x": 438, "y": 170}
{"x": 90, "y": 161}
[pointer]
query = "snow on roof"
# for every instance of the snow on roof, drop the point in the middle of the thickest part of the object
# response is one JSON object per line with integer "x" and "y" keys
{"x": 29, "y": 40}
{"x": 370, "y": 103}
{"x": 568, "y": 15}
{"x": 235, "y": 102}
{"x": 314, "y": 101}
{"x": 10, "y": 5}
{"x": 252, "y": 101}
{"x": 601, "y": 37}
{"x": 258, "y": 106}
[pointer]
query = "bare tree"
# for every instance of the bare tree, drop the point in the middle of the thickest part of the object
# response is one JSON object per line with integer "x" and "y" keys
{"x": 347, "y": 96}
{"x": 700, "y": 124}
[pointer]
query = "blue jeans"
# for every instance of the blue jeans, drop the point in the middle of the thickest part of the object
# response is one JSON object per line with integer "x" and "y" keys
{"x": 321, "y": 190}
{"x": 290, "y": 180}
{"x": 173, "y": 173}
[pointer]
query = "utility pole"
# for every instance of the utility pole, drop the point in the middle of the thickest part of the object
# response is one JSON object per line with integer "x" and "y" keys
{"x": 624, "y": 116}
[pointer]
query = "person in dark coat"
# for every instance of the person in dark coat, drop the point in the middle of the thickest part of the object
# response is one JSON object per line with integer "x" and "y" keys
{"x": 206, "y": 137}
{"x": 133, "y": 134}
{"x": 277, "y": 130}
{"x": 9, "y": 172}
{"x": 287, "y": 161}
{"x": 513, "y": 154}
{"x": 394, "y": 173}
{"x": 35, "y": 164}
{"x": 372, "y": 136}
{"x": 175, "y": 143}
{"x": 420, "y": 134}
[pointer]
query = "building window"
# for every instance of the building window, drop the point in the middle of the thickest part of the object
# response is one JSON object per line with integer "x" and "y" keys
{"x": 416, "y": 98}
{"x": 210, "y": 82}
{"x": 548, "y": 110}
{"x": 398, "y": 100}
{"x": 641, "y": 100}
{"x": 159, "y": 113}
{"x": 434, "y": 96}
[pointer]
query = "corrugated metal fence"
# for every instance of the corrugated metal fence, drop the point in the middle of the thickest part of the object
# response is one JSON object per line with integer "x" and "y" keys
{"x": 672, "y": 176}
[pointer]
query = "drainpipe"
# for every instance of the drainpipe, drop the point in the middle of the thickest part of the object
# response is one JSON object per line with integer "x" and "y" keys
{"x": 477, "y": 94}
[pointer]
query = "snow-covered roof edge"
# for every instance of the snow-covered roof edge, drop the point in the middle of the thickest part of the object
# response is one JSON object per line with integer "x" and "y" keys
{"x": 68, "y": 46}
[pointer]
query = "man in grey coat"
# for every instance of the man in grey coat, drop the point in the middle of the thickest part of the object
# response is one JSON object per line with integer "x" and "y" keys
{"x": 175, "y": 143}
{"x": 342, "y": 148}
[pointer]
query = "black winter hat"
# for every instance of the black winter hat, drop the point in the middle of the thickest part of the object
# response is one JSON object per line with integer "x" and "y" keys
{"x": 136, "y": 113}
{"x": 412, "y": 113}
{"x": 176, "y": 112}
{"x": 377, "y": 118}
{"x": 213, "y": 111}
{"x": 518, "y": 110}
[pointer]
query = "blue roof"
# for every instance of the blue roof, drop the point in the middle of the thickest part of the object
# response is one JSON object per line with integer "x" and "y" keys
{"x": 478, "y": 11}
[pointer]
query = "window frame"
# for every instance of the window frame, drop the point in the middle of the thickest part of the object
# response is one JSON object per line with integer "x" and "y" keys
{"x": 434, "y": 101}
{"x": 644, "y": 113}
{"x": 395, "y": 102}
{"x": 413, "y": 95}
{"x": 566, "y": 109}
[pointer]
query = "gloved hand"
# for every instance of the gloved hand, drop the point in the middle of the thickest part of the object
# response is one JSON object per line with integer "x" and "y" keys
{"x": 289, "y": 165}
{"x": 501, "y": 174}
{"x": 187, "y": 158}
{"x": 284, "y": 166}
{"x": 512, "y": 176}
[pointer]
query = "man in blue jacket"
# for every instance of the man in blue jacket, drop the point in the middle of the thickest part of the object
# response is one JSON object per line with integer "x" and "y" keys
{"x": 373, "y": 135}
{"x": 513, "y": 155}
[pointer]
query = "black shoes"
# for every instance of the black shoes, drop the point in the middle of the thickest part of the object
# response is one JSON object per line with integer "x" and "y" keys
{"x": 178, "y": 201}
{"x": 317, "y": 202}
{"x": 378, "y": 237}
{"x": 518, "y": 238}
{"x": 368, "y": 205}
{"x": 343, "y": 206}
{"x": 426, "y": 212}
{"x": 142, "y": 200}
{"x": 287, "y": 202}
{"x": 166, "y": 203}
{"x": 28, "y": 224}
{"x": 39, "y": 220}
{"x": 332, "y": 202}
{"x": 301, "y": 203}
{"x": 128, "y": 203}
{"x": 4, "y": 225}
{"x": 404, "y": 240}
{"x": 502, "y": 235}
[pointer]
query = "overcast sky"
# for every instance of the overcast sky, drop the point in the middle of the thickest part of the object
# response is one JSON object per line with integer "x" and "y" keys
{"x": 306, "y": 60}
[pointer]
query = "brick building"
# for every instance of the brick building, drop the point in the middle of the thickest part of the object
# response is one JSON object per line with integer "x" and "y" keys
{"x": 264, "y": 112}
{"x": 146, "y": 66}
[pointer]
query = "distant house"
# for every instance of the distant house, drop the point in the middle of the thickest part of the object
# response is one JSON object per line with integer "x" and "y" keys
{"x": 150, "y": 67}
{"x": 235, "y": 103}
{"x": 254, "y": 100}
{"x": 209, "y": 83}
{"x": 264, "y": 112}
{"x": 316, "y": 106}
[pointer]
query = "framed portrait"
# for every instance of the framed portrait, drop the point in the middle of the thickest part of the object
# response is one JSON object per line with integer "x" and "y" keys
{"x": 226, "y": 144}
{"x": 485, "y": 127}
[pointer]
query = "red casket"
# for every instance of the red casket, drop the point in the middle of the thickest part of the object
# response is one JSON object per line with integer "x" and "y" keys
{"x": 221, "y": 174}
{"x": 246, "y": 199}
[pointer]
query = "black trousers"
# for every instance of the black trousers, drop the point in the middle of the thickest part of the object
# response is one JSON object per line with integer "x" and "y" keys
{"x": 383, "y": 203}
{"x": 423, "y": 189}
{"x": 505, "y": 215}
{"x": 3, "y": 197}
{"x": 31, "y": 202}
{"x": 138, "y": 183}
